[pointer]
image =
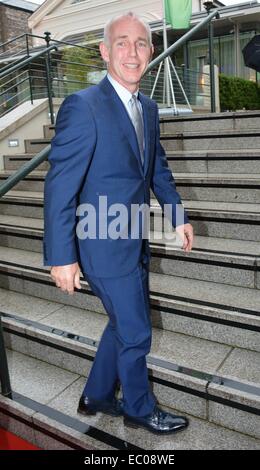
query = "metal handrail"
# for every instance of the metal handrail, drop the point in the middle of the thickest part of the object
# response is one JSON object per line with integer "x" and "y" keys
{"x": 7, "y": 66}
{"x": 24, "y": 170}
{"x": 11, "y": 81}
{"x": 45, "y": 38}
{"x": 13, "y": 40}
{"x": 73, "y": 45}
{"x": 27, "y": 61}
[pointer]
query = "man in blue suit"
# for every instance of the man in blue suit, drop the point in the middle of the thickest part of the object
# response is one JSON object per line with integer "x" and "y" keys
{"x": 106, "y": 154}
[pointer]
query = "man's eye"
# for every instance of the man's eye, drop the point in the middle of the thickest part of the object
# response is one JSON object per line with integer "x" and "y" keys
{"x": 142, "y": 44}
{"x": 121, "y": 43}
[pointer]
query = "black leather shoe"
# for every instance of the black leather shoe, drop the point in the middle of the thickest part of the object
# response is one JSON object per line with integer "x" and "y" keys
{"x": 91, "y": 407}
{"x": 158, "y": 422}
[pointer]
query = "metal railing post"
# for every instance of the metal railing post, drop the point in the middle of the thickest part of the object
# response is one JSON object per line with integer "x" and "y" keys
{"x": 212, "y": 68}
{"x": 208, "y": 6}
{"x": 4, "y": 372}
{"x": 48, "y": 75}
{"x": 29, "y": 68}
{"x": 186, "y": 66}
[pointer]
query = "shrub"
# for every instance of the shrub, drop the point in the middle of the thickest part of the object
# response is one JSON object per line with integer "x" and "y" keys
{"x": 78, "y": 62}
{"x": 237, "y": 93}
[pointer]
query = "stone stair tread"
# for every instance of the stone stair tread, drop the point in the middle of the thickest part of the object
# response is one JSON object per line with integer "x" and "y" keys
{"x": 211, "y": 206}
{"x": 215, "y": 133}
{"x": 222, "y": 152}
{"x": 23, "y": 222}
{"x": 26, "y": 374}
{"x": 17, "y": 194}
{"x": 206, "y": 292}
{"x": 218, "y": 177}
{"x": 25, "y": 258}
{"x": 203, "y": 431}
{"x": 218, "y": 115}
{"x": 168, "y": 348}
{"x": 39, "y": 173}
{"x": 201, "y": 243}
{"x": 189, "y": 204}
{"x": 40, "y": 140}
{"x": 186, "y": 352}
{"x": 174, "y": 287}
{"x": 210, "y": 152}
{"x": 64, "y": 403}
{"x": 213, "y": 244}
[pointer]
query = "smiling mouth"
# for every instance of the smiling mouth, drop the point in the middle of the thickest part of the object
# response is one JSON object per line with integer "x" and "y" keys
{"x": 131, "y": 66}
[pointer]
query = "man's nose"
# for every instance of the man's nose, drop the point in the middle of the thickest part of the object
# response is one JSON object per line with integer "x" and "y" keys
{"x": 132, "y": 50}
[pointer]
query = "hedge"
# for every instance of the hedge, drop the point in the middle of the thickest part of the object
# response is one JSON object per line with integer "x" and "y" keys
{"x": 237, "y": 93}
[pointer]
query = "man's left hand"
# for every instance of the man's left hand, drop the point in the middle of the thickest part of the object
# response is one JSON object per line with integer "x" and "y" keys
{"x": 185, "y": 231}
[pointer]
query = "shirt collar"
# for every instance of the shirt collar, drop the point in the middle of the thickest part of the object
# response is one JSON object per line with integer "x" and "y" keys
{"x": 124, "y": 94}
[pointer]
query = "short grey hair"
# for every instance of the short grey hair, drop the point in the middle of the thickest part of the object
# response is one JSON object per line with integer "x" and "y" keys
{"x": 132, "y": 15}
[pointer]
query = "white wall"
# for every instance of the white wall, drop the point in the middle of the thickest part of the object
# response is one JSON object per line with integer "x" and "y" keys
{"x": 27, "y": 126}
{"x": 67, "y": 19}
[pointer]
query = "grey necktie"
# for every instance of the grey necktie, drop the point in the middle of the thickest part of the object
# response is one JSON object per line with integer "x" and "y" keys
{"x": 137, "y": 120}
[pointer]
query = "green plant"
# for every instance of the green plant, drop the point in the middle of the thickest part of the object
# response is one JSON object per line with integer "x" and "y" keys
{"x": 237, "y": 93}
{"x": 78, "y": 62}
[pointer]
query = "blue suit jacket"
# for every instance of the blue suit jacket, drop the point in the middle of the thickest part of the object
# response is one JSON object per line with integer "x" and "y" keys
{"x": 95, "y": 153}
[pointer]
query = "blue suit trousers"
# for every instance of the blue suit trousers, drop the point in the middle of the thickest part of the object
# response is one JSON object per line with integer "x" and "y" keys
{"x": 126, "y": 340}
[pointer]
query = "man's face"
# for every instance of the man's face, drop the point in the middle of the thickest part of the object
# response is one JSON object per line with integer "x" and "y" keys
{"x": 128, "y": 53}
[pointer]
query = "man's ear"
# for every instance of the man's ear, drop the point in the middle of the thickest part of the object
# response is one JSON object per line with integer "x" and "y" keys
{"x": 152, "y": 51}
{"x": 104, "y": 51}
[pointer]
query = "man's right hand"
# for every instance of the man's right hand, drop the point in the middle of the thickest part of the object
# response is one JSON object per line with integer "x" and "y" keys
{"x": 66, "y": 277}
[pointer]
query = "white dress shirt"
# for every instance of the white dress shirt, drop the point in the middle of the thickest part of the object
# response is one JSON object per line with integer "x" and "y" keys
{"x": 124, "y": 95}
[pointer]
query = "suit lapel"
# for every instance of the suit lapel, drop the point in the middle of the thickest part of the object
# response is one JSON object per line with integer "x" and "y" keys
{"x": 121, "y": 115}
{"x": 147, "y": 115}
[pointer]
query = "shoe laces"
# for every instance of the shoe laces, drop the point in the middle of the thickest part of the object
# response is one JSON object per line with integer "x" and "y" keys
{"x": 160, "y": 415}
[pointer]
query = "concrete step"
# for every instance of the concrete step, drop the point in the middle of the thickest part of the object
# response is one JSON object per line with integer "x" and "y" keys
{"x": 203, "y": 378}
{"x": 208, "y": 261}
{"x": 229, "y": 162}
{"x": 13, "y": 162}
{"x": 196, "y": 187}
{"x": 22, "y": 203}
{"x": 239, "y": 221}
{"x": 208, "y": 310}
{"x": 48, "y": 131}
{"x": 193, "y": 161}
{"x": 50, "y": 421}
{"x": 219, "y": 187}
{"x": 214, "y": 219}
{"x": 32, "y": 182}
{"x": 214, "y": 260}
{"x": 35, "y": 145}
{"x": 226, "y": 139}
{"x": 212, "y": 122}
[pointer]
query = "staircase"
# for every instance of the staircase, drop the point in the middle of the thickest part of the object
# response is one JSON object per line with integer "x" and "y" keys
{"x": 205, "y": 305}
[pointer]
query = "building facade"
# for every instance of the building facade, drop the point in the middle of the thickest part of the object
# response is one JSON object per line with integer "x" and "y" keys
{"x": 14, "y": 15}
{"x": 72, "y": 19}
